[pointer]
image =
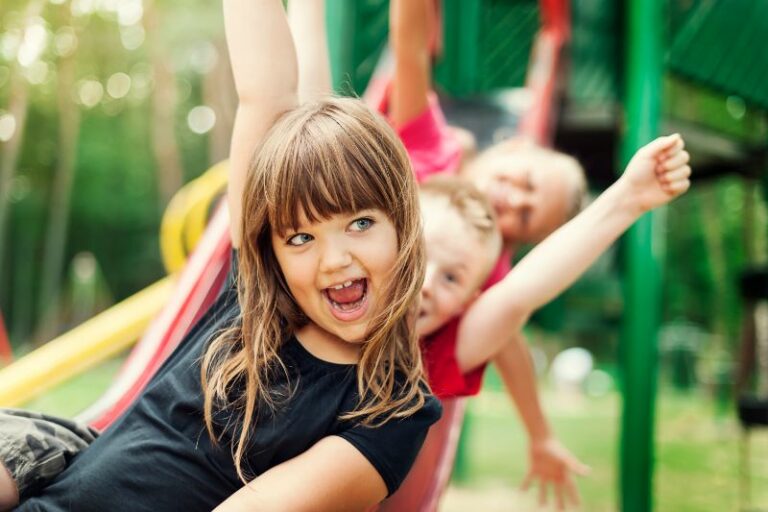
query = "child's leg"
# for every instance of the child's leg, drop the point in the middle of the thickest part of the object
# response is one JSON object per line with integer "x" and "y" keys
{"x": 34, "y": 449}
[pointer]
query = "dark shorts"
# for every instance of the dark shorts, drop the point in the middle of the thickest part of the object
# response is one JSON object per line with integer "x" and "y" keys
{"x": 35, "y": 447}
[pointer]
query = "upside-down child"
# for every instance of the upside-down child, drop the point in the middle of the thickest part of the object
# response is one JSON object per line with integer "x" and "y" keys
{"x": 291, "y": 391}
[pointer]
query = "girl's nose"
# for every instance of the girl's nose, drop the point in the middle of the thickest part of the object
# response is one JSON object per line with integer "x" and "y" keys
{"x": 335, "y": 257}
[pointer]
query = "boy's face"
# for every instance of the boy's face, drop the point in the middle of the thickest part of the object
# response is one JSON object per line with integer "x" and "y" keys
{"x": 530, "y": 199}
{"x": 457, "y": 264}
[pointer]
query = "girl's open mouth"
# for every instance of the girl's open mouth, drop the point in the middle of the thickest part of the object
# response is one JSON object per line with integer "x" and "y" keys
{"x": 348, "y": 301}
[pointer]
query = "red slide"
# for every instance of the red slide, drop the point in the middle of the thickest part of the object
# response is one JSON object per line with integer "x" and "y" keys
{"x": 197, "y": 287}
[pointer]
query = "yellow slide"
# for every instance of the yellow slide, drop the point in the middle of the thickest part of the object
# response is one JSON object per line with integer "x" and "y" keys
{"x": 85, "y": 346}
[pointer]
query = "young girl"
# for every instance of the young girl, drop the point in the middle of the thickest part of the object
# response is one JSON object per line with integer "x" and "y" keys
{"x": 293, "y": 389}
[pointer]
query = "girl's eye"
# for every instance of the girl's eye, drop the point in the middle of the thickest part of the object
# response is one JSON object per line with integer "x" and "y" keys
{"x": 300, "y": 239}
{"x": 450, "y": 277}
{"x": 361, "y": 224}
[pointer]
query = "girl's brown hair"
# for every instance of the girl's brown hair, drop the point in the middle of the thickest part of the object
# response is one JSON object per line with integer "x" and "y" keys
{"x": 331, "y": 157}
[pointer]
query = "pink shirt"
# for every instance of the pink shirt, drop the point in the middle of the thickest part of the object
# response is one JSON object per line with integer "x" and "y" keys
{"x": 431, "y": 146}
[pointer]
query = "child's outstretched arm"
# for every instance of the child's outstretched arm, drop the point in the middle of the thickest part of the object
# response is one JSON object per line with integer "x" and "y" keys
{"x": 549, "y": 462}
{"x": 410, "y": 26}
{"x": 657, "y": 173}
{"x": 332, "y": 475}
{"x": 264, "y": 67}
{"x": 307, "y": 20}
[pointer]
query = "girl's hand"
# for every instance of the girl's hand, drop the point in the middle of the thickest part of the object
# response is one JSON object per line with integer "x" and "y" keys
{"x": 553, "y": 465}
{"x": 657, "y": 173}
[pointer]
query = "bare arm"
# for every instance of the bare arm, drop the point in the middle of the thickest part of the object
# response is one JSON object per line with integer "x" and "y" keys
{"x": 549, "y": 462}
{"x": 515, "y": 368}
{"x": 409, "y": 33}
{"x": 307, "y": 20}
{"x": 264, "y": 68}
{"x": 332, "y": 475}
{"x": 657, "y": 174}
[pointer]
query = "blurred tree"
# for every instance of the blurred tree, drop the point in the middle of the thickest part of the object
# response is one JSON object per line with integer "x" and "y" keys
{"x": 27, "y": 41}
{"x": 58, "y": 214}
{"x": 164, "y": 104}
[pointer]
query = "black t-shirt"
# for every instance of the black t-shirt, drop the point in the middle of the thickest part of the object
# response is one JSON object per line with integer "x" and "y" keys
{"x": 159, "y": 456}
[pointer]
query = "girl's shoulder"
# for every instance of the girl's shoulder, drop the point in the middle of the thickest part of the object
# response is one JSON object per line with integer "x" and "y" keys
{"x": 392, "y": 447}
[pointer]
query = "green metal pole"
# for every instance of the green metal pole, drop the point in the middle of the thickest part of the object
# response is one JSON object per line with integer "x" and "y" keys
{"x": 642, "y": 286}
{"x": 340, "y": 18}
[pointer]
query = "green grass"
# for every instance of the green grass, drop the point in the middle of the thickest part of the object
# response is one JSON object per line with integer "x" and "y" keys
{"x": 76, "y": 394}
{"x": 696, "y": 453}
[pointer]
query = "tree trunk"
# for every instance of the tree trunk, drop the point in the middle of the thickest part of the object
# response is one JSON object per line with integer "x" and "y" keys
{"x": 58, "y": 215}
{"x": 164, "y": 99}
{"x": 9, "y": 150}
{"x": 219, "y": 94}
{"x": 712, "y": 228}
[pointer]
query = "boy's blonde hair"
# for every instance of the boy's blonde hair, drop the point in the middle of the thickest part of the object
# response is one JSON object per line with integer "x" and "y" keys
{"x": 473, "y": 207}
{"x": 331, "y": 157}
{"x": 499, "y": 156}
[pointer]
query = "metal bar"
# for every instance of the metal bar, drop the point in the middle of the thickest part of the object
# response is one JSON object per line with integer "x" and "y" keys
{"x": 642, "y": 285}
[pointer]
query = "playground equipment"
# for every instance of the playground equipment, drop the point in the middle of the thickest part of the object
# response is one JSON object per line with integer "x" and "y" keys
{"x": 198, "y": 284}
{"x": 76, "y": 351}
{"x": 6, "y": 354}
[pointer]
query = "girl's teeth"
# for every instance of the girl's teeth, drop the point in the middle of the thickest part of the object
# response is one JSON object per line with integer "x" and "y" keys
{"x": 343, "y": 285}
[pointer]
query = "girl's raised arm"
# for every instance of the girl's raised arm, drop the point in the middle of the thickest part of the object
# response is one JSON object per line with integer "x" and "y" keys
{"x": 657, "y": 173}
{"x": 307, "y": 20}
{"x": 332, "y": 475}
{"x": 264, "y": 67}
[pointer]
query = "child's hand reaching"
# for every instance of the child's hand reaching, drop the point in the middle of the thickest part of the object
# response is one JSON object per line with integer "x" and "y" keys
{"x": 658, "y": 172}
{"x": 552, "y": 466}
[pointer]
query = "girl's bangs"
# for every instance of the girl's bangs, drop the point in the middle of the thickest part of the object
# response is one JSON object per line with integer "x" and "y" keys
{"x": 328, "y": 174}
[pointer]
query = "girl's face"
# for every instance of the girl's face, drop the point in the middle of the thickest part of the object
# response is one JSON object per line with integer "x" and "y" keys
{"x": 337, "y": 270}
